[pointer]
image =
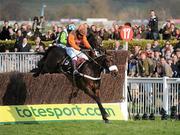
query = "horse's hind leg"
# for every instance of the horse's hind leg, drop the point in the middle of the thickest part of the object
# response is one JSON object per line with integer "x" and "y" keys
{"x": 98, "y": 101}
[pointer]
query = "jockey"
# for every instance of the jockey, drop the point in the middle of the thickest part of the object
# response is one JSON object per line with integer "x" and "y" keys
{"x": 62, "y": 38}
{"x": 75, "y": 39}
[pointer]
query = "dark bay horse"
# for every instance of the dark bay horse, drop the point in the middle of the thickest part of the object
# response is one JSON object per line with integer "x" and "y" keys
{"x": 90, "y": 72}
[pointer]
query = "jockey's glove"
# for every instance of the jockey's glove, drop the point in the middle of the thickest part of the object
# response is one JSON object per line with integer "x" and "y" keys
{"x": 81, "y": 50}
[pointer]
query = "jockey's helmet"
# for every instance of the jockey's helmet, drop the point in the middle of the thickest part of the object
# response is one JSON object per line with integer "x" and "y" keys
{"x": 71, "y": 27}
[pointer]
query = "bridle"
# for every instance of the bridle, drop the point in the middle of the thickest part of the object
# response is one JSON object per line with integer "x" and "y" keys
{"x": 94, "y": 59}
{"x": 111, "y": 68}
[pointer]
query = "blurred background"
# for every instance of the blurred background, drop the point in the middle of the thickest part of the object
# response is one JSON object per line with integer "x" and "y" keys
{"x": 82, "y": 9}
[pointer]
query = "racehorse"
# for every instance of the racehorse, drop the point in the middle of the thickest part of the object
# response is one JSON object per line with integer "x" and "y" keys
{"x": 55, "y": 60}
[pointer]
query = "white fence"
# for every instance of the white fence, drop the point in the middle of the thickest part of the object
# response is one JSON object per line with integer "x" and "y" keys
{"x": 149, "y": 95}
{"x": 22, "y": 62}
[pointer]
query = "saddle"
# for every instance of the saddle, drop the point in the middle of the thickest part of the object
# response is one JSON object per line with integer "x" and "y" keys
{"x": 67, "y": 67}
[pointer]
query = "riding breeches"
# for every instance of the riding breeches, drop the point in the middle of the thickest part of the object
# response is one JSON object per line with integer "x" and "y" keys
{"x": 61, "y": 45}
{"x": 74, "y": 54}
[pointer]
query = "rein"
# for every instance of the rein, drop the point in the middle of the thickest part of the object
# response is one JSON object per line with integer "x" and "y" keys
{"x": 94, "y": 60}
{"x": 90, "y": 77}
{"x": 111, "y": 68}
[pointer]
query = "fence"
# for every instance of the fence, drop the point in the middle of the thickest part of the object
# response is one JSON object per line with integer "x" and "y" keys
{"x": 22, "y": 62}
{"x": 149, "y": 95}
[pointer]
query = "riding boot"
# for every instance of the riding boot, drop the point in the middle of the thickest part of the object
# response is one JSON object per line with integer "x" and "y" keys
{"x": 75, "y": 72}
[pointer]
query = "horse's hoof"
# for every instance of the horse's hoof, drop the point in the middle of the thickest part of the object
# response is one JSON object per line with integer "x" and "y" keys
{"x": 106, "y": 121}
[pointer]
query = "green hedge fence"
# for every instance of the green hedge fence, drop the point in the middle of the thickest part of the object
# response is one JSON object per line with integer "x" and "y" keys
{"x": 108, "y": 44}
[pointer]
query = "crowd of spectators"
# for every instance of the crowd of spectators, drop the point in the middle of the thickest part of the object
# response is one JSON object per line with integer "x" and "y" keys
{"x": 168, "y": 30}
{"x": 25, "y": 32}
{"x": 153, "y": 61}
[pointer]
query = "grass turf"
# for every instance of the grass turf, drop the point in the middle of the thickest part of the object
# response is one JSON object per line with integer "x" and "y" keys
{"x": 157, "y": 127}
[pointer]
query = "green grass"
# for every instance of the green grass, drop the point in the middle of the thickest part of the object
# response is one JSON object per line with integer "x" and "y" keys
{"x": 157, "y": 127}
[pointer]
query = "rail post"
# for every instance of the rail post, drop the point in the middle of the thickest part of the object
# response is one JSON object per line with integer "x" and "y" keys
{"x": 165, "y": 94}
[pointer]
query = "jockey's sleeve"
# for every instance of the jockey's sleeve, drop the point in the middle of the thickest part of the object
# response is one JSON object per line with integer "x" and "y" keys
{"x": 63, "y": 38}
{"x": 86, "y": 43}
{"x": 72, "y": 42}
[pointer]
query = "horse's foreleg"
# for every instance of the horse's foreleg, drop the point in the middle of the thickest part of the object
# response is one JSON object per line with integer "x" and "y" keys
{"x": 98, "y": 101}
{"x": 102, "y": 110}
{"x": 73, "y": 94}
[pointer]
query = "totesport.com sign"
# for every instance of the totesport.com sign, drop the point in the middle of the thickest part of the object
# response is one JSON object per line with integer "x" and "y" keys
{"x": 55, "y": 112}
